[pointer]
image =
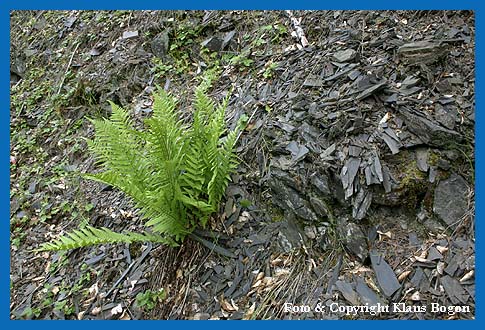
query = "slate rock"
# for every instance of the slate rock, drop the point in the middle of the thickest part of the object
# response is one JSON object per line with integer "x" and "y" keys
{"x": 319, "y": 206}
{"x": 290, "y": 200}
{"x": 32, "y": 187}
{"x": 443, "y": 164}
{"x": 450, "y": 199}
{"x": 321, "y": 183}
{"x": 361, "y": 203}
{"x": 346, "y": 55}
{"x": 310, "y": 232}
{"x": 354, "y": 239}
{"x": 289, "y": 235}
{"x": 422, "y": 159}
{"x": 348, "y": 292}
{"x": 446, "y": 116}
{"x": 298, "y": 151}
{"x": 348, "y": 173}
{"x": 422, "y": 52}
{"x": 214, "y": 44}
{"x": 130, "y": 34}
{"x": 366, "y": 295}
{"x": 227, "y": 38}
{"x": 429, "y": 132}
{"x": 434, "y": 254}
{"x": 160, "y": 44}
{"x": 455, "y": 291}
{"x": 433, "y": 173}
{"x": 313, "y": 81}
{"x": 371, "y": 90}
{"x": 417, "y": 277}
{"x": 385, "y": 275}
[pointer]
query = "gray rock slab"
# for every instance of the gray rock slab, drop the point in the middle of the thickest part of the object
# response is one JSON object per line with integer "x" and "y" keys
{"x": 450, "y": 199}
{"x": 346, "y": 55}
{"x": 385, "y": 275}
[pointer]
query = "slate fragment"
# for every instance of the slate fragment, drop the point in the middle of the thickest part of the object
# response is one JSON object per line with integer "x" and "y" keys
{"x": 417, "y": 277}
{"x": 227, "y": 38}
{"x": 434, "y": 254}
{"x": 321, "y": 183}
{"x": 298, "y": 151}
{"x": 393, "y": 144}
{"x": 427, "y": 131}
{"x": 371, "y": 90}
{"x": 326, "y": 154}
{"x": 346, "y": 55}
{"x": 451, "y": 199}
{"x": 422, "y": 52}
{"x": 160, "y": 44}
{"x": 386, "y": 179}
{"x": 347, "y": 291}
{"x": 366, "y": 295}
{"x": 313, "y": 81}
{"x": 354, "y": 239}
{"x": 348, "y": 173}
{"x": 214, "y": 44}
{"x": 455, "y": 291}
{"x": 130, "y": 34}
{"x": 385, "y": 275}
{"x": 319, "y": 207}
{"x": 32, "y": 187}
{"x": 446, "y": 116}
{"x": 342, "y": 72}
{"x": 433, "y": 173}
{"x": 290, "y": 200}
{"x": 361, "y": 203}
{"x": 237, "y": 278}
{"x": 422, "y": 159}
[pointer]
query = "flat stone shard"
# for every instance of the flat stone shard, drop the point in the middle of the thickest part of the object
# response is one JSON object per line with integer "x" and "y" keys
{"x": 454, "y": 290}
{"x": 348, "y": 292}
{"x": 427, "y": 131}
{"x": 366, "y": 295}
{"x": 321, "y": 183}
{"x": 214, "y": 44}
{"x": 313, "y": 81}
{"x": 346, "y": 55}
{"x": 451, "y": 199}
{"x": 385, "y": 275}
{"x": 361, "y": 203}
{"x": 422, "y": 52}
{"x": 354, "y": 239}
{"x": 290, "y": 200}
{"x": 160, "y": 44}
{"x": 422, "y": 159}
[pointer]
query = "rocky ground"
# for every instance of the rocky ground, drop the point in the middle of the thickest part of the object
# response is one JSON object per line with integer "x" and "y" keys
{"x": 356, "y": 182}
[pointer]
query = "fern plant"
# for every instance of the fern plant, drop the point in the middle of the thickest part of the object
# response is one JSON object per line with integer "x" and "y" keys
{"x": 175, "y": 173}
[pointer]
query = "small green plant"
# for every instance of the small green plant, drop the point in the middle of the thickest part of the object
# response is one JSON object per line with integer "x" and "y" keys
{"x": 161, "y": 68}
{"x": 30, "y": 312}
{"x": 175, "y": 173}
{"x": 269, "y": 70}
{"x": 242, "y": 61}
{"x": 245, "y": 203}
{"x": 149, "y": 299}
{"x": 64, "y": 306}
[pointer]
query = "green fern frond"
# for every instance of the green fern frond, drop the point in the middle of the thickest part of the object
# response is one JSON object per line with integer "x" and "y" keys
{"x": 88, "y": 236}
{"x": 223, "y": 164}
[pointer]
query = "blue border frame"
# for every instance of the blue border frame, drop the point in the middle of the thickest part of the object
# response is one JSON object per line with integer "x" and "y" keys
{"x": 7, "y": 5}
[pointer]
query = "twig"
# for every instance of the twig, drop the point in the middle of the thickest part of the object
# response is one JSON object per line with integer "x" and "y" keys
{"x": 67, "y": 68}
